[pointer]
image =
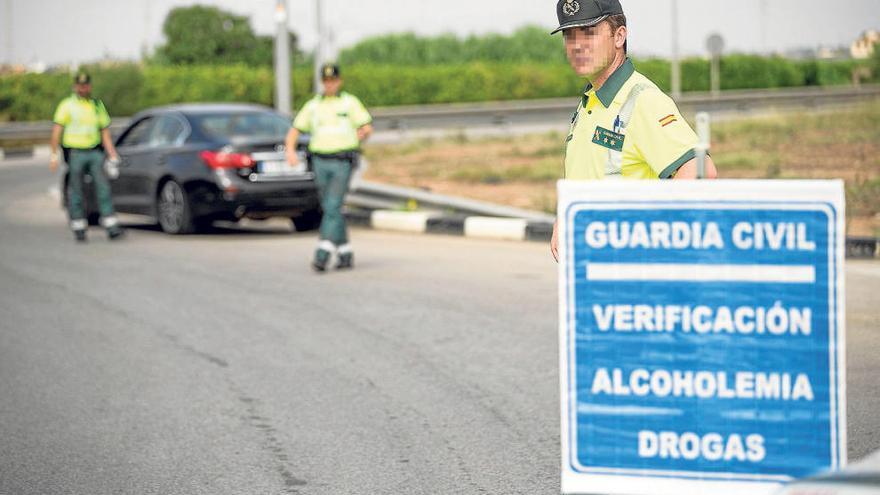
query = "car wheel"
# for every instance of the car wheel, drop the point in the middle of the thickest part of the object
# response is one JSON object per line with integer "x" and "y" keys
{"x": 172, "y": 205}
{"x": 309, "y": 220}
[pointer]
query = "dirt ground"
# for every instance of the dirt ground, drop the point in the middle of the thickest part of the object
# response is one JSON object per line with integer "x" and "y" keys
{"x": 521, "y": 171}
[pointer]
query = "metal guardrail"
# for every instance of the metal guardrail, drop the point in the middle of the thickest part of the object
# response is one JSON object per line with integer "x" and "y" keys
{"x": 525, "y": 112}
{"x": 546, "y": 111}
{"x": 373, "y": 196}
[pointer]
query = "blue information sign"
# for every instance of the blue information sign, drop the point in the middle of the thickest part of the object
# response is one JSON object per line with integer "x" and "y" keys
{"x": 701, "y": 326}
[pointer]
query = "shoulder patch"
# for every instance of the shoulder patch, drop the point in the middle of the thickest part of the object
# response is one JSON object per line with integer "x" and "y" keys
{"x": 665, "y": 121}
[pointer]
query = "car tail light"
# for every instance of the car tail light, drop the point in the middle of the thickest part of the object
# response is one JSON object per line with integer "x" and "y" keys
{"x": 222, "y": 159}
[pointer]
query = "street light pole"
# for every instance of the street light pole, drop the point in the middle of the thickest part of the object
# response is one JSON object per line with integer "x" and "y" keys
{"x": 763, "y": 18}
{"x": 9, "y": 24}
{"x": 676, "y": 66}
{"x": 319, "y": 48}
{"x": 282, "y": 59}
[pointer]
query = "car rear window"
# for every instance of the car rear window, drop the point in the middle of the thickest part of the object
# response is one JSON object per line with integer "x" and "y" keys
{"x": 242, "y": 124}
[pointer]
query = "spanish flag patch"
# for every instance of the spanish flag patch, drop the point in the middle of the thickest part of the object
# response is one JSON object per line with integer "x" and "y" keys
{"x": 665, "y": 121}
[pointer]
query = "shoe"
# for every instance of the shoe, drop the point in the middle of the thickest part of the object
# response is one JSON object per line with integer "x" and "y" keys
{"x": 80, "y": 235}
{"x": 322, "y": 257}
{"x": 115, "y": 233}
{"x": 345, "y": 262}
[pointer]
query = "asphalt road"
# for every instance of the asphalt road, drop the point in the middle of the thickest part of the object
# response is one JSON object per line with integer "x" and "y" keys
{"x": 220, "y": 364}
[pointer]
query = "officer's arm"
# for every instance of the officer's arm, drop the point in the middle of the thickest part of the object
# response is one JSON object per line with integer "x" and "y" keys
{"x": 689, "y": 170}
{"x": 57, "y": 129}
{"x": 364, "y": 132}
{"x": 107, "y": 140}
{"x": 290, "y": 145}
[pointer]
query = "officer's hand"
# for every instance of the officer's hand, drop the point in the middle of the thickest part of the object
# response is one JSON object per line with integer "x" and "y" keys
{"x": 53, "y": 163}
{"x": 292, "y": 159}
{"x": 554, "y": 243}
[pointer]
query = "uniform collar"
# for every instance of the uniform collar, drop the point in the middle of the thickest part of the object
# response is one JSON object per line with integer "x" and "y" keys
{"x": 609, "y": 90}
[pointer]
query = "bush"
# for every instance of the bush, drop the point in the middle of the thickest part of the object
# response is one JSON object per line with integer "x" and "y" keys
{"x": 657, "y": 70}
{"x": 118, "y": 86}
{"x": 752, "y": 71}
{"x": 835, "y": 73}
{"x": 28, "y": 97}
{"x": 128, "y": 88}
{"x": 393, "y": 85}
{"x": 528, "y": 44}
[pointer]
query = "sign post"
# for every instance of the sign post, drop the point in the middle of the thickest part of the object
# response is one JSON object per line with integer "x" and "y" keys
{"x": 715, "y": 45}
{"x": 701, "y": 335}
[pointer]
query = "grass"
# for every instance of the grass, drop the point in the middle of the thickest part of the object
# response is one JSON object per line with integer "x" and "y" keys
{"x": 543, "y": 171}
{"x": 521, "y": 171}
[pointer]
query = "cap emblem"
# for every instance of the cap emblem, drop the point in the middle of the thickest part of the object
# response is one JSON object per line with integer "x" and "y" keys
{"x": 571, "y": 7}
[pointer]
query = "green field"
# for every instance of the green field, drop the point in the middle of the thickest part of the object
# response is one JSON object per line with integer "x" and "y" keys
{"x": 521, "y": 171}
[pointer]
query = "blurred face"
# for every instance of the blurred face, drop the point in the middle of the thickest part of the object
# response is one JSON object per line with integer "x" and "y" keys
{"x": 591, "y": 50}
{"x": 83, "y": 90}
{"x": 331, "y": 86}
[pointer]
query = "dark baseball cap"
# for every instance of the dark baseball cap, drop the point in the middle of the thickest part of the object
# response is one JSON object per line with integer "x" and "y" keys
{"x": 584, "y": 13}
{"x": 82, "y": 78}
{"x": 329, "y": 71}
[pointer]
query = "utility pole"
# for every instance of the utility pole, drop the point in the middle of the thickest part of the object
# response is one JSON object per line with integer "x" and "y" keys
{"x": 282, "y": 59}
{"x": 319, "y": 48}
{"x": 9, "y": 54}
{"x": 763, "y": 17}
{"x": 676, "y": 65}
{"x": 145, "y": 43}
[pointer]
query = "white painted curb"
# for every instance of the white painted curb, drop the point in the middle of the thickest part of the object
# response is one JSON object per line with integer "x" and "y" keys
{"x": 42, "y": 152}
{"x": 510, "y": 229}
{"x": 402, "y": 221}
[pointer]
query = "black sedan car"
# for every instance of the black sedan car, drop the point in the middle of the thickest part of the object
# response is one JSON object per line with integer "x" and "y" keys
{"x": 188, "y": 165}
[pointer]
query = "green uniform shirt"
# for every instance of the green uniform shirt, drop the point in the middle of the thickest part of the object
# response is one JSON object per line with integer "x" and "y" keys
{"x": 83, "y": 119}
{"x": 333, "y": 122}
{"x": 655, "y": 143}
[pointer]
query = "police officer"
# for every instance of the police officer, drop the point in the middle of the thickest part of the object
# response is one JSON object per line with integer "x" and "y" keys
{"x": 338, "y": 124}
{"x": 84, "y": 122}
{"x": 624, "y": 126}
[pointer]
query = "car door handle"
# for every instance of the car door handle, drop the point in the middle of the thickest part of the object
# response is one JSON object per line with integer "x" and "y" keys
{"x": 162, "y": 160}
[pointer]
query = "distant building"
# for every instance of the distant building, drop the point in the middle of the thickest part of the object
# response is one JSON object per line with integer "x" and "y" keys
{"x": 799, "y": 54}
{"x": 863, "y": 47}
{"x": 832, "y": 53}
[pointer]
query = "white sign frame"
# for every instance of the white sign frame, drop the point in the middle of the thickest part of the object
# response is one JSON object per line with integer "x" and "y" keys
{"x": 795, "y": 194}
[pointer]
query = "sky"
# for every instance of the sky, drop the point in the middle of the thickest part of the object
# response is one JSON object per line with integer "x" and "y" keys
{"x": 65, "y": 31}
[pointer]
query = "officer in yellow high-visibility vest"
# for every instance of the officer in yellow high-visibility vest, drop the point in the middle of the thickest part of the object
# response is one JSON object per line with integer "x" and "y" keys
{"x": 84, "y": 123}
{"x": 624, "y": 127}
{"x": 338, "y": 124}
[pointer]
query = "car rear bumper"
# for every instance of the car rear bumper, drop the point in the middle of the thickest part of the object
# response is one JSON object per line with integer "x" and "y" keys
{"x": 255, "y": 199}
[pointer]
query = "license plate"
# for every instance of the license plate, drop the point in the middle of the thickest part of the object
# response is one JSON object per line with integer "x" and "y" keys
{"x": 279, "y": 167}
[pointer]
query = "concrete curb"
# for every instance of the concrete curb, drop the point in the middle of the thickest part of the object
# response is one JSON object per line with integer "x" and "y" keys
{"x": 508, "y": 229}
{"x": 42, "y": 152}
{"x": 512, "y": 229}
{"x": 478, "y": 227}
